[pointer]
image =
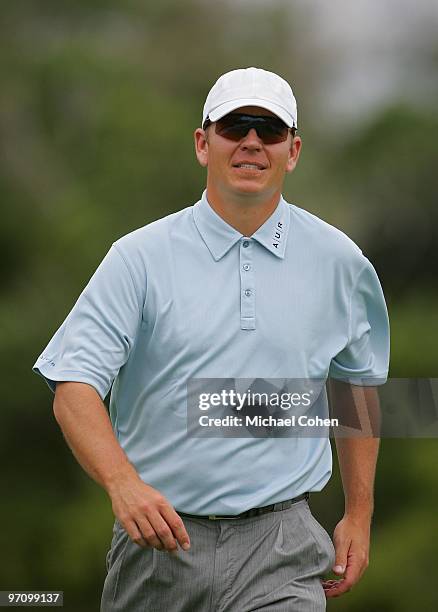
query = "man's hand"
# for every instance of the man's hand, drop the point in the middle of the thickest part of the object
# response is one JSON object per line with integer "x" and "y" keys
{"x": 352, "y": 542}
{"x": 146, "y": 515}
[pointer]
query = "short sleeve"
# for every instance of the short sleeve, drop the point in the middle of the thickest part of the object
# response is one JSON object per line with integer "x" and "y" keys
{"x": 365, "y": 358}
{"x": 97, "y": 336}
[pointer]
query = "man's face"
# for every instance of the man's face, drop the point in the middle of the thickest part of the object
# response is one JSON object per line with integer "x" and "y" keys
{"x": 222, "y": 158}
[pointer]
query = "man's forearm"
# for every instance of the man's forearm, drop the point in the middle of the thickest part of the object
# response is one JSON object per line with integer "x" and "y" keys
{"x": 86, "y": 426}
{"x": 144, "y": 512}
{"x": 357, "y": 455}
{"x": 357, "y": 463}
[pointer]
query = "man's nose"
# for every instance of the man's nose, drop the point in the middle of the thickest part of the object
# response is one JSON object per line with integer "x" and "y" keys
{"x": 251, "y": 141}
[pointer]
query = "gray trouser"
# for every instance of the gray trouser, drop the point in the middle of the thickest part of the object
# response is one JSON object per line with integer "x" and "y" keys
{"x": 273, "y": 562}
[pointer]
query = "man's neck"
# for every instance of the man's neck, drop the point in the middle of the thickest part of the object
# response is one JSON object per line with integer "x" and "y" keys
{"x": 246, "y": 214}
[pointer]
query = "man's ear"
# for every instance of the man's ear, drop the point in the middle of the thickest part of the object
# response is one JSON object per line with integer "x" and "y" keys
{"x": 294, "y": 153}
{"x": 201, "y": 146}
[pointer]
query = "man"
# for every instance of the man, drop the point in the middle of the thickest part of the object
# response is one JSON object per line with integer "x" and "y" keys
{"x": 240, "y": 286}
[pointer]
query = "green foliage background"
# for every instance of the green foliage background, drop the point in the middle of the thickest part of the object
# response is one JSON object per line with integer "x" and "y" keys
{"x": 98, "y": 104}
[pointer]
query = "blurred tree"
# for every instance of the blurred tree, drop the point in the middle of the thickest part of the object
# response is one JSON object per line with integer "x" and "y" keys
{"x": 389, "y": 171}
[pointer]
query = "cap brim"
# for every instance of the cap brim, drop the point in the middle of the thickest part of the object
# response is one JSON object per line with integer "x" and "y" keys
{"x": 228, "y": 107}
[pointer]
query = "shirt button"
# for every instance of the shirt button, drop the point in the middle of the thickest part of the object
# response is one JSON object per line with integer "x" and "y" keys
{"x": 248, "y": 292}
{"x": 245, "y": 244}
{"x": 246, "y": 267}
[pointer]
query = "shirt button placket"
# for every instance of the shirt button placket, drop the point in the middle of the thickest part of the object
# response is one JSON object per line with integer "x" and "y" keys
{"x": 247, "y": 285}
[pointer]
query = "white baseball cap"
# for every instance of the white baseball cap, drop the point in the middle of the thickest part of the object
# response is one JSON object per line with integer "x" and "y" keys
{"x": 251, "y": 87}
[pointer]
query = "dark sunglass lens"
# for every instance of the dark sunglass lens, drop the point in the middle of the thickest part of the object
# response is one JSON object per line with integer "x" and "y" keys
{"x": 274, "y": 130}
{"x": 235, "y": 127}
{"x": 232, "y": 127}
{"x": 271, "y": 134}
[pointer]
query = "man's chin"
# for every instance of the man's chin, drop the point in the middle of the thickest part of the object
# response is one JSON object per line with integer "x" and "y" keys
{"x": 249, "y": 189}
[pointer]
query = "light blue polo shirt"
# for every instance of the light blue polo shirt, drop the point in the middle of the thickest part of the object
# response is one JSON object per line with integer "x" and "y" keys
{"x": 188, "y": 296}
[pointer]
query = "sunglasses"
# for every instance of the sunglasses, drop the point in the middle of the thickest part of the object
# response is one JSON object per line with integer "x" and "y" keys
{"x": 235, "y": 126}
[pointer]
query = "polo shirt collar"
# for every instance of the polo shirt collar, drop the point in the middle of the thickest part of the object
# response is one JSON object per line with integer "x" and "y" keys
{"x": 219, "y": 236}
{"x": 274, "y": 231}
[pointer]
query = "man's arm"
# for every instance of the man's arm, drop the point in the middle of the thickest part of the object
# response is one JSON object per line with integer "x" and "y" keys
{"x": 357, "y": 462}
{"x": 144, "y": 512}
